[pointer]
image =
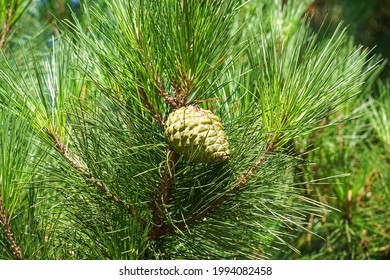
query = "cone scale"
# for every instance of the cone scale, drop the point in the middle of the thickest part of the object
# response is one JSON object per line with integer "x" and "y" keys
{"x": 197, "y": 135}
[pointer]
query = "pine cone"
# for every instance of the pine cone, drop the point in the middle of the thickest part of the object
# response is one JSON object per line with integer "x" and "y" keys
{"x": 197, "y": 134}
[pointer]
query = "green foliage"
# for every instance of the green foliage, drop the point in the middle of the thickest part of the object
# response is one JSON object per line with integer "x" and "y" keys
{"x": 305, "y": 80}
{"x": 10, "y": 12}
{"x": 379, "y": 113}
{"x": 359, "y": 229}
{"x": 95, "y": 179}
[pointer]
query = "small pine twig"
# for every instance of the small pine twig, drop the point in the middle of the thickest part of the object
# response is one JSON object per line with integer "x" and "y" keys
{"x": 6, "y": 27}
{"x": 61, "y": 9}
{"x": 179, "y": 95}
{"x": 244, "y": 178}
{"x": 205, "y": 100}
{"x": 184, "y": 89}
{"x": 5, "y": 222}
{"x": 240, "y": 183}
{"x": 150, "y": 107}
{"x": 56, "y": 139}
{"x": 216, "y": 64}
{"x": 161, "y": 91}
{"x": 163, "y": 197}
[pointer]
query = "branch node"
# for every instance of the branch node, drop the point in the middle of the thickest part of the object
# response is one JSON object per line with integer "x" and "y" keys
{"x": 161, "y": 91}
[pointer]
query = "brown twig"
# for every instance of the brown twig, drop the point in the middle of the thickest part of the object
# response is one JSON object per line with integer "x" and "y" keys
{"x": 6, "y": 27}
{"x": 205, "y": 100}
{"x": 161, "y": 91}
{"x": 214, "y": 205}
{"x": 244, "y": 178}
{"x": 76, "y": 165}
{"x": 150, "y": 107}
{"x": 61, "y": 9}
{"x": 216, "y": 64}
{"x": 184, "y": 88}
{"x": 5, "y": 222}
{"x": 179, "y": 95}
{"x": 163, "y": 197}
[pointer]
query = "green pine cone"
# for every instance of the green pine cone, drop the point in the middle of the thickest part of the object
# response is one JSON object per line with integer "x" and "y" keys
{"x": 197, "y": 134}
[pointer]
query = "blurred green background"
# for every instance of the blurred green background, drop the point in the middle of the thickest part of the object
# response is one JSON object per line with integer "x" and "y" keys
{"x": 368, "y": 21}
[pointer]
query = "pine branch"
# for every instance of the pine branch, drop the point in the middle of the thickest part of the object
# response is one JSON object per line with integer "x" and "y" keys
{"x": 163, "y": 196}
{"x": 244, "y": 178}
{"x": 161, "y": 91}
{"x": 240, "y": 183}
{"x": 7, "y": 25}
{"x": 214, "y": 205}
{"x": 56, "y": 139}
{"x": 179, "y": 95}
{"x": 5, "y": 222}
{"x": 150, "y": 107}
{"x": 61, "y": 9}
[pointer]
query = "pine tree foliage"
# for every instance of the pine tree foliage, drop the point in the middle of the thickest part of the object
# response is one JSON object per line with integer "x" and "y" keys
{"x": 380, "y": 108}
{"x": 94, "y": 177}
{"x": 10, "y": 12}
{"x": 357, "y": 146}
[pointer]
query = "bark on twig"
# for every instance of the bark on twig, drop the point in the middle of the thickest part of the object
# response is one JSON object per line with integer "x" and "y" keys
{"x": 179, "y": 95}
{"x": 240, "y": 183}
{"x": 161, "y": 91}
{"x": 76, "y": 165}
{"x": 6, "y": 27}
{"x": 163, "y": 197}
{"x": 5, "y": 222}
{"x": 150, "y": 107}
{"x": 61, "y": 9}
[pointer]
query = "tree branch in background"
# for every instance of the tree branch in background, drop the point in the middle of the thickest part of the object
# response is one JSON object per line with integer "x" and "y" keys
{"x": 6, "y": 27}
{"x": 56, "y": 139}
{"x": 5, "y": 222}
